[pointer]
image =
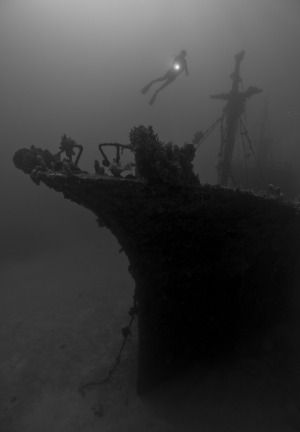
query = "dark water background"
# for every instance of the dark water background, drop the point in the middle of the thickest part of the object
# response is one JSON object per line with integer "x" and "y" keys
{"x": 77, "y": 67}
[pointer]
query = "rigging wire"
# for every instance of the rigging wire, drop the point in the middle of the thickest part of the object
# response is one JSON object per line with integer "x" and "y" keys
{"x": 245, "y": 134}
{"x": 210, "y": 129}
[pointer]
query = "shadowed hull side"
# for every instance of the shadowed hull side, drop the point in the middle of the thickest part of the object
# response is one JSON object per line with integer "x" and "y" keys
{"x": 212, "y": 266}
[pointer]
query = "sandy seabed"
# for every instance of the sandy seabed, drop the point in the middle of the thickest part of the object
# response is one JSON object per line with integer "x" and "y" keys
{"x": 59, "y": 332}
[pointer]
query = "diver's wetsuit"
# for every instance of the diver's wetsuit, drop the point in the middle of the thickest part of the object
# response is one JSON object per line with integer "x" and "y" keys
{"x": 179, "y": 65}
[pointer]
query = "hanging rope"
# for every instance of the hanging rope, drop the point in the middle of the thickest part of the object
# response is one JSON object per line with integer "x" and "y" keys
{"x": 126, "y": 332}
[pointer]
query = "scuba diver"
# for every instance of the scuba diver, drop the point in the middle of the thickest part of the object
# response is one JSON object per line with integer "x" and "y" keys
{"x": 178, "y": 65}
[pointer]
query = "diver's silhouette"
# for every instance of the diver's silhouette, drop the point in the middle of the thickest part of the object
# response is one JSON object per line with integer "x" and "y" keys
{"x": 179, "y": 65}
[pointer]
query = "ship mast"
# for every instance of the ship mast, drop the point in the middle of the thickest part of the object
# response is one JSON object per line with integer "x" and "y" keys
{"x": 232, "y": 112}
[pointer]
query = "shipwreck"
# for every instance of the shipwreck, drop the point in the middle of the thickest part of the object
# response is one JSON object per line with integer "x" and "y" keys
{"x": 213, "y": 266}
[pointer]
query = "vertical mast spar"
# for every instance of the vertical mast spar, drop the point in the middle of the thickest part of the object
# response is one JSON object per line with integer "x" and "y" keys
{"x": 236, "y": 102}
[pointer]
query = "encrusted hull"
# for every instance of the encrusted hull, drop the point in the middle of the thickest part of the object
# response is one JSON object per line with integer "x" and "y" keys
{"x": 212, "y": 266}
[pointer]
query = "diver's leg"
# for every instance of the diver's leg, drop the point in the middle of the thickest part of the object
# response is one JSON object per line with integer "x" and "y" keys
{"x": 165, "y": 84}
{"x": 152, "y": 100}
{"x": 148, "y": 86}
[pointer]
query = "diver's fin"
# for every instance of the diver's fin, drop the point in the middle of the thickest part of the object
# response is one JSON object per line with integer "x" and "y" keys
{"x": 146, "y": 88}
{"x": 152, "y": 100}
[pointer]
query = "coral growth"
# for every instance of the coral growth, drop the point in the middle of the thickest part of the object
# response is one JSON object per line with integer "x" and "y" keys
{"x": 158, "y": 162}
